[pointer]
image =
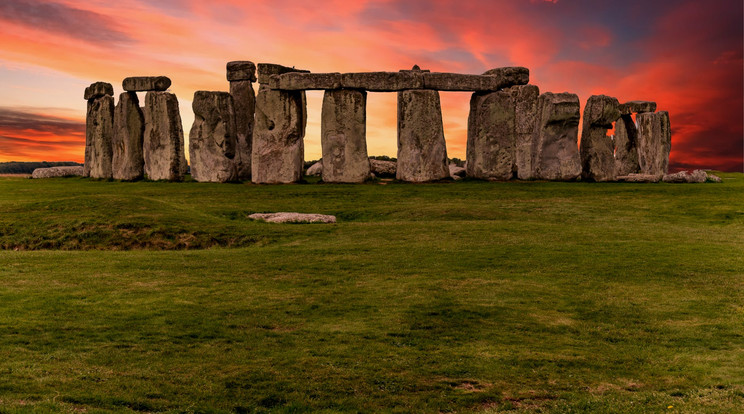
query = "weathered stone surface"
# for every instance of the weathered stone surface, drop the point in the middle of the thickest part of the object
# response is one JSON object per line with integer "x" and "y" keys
{"x": 597, "y": 152}
{"x": 212, "y": 139}
{"x": 99, "y": 133}
{"x": 555, "y": 145}
{"x": 53, "y": 172}
{"x": 636, "y": 107}
{"x": 383, "y": 81}
{"x": 383, "y": 169}
{"x": 456, "y": 172}
{"x": 654, "y": 142}
{"x": 343, "y": 132}
{"x": 525, "y": 116}
{"x": 714, "y": 178}
{"x": 241, "y": 70}
{"x": 128, "y": 161}
{"x": 626, "y": 146}
{"x": 492, "y": 139}
{"x": 315, "y": 169}
{"x": 146, "y": 83}
{"x": 422, "y": 151}
{"x": 244, "y": 102}
{"x": 286, "y": 217}
{"x": 396, "y": 81}
{"x": 163, "y": 145}
{"x": 98, "y": 90}
{"x": 278, "y": 148}
{"x": 697, "y": 176}
{"x": 267, "y": 70}
{"x": 640, "y": 178}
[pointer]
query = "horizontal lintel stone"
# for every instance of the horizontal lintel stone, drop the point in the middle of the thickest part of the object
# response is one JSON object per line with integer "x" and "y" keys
{"x": 637, "y": 107}
{"x": 266, "y": 70}
{"x": 146, "y": 83}
{"x": 241, "y": 70}
{"x": 399, "y": 81}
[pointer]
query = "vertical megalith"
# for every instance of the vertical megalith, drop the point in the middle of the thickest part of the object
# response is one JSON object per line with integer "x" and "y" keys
{"x": 654, "y": 142}
{"x": 212, "y": 140}
{"x": 555, "y": 142}
{"x": 491, "y": 136}
{"x": 500, "y": 127}
{"x": 597, "y": 153}
{"x": 278, "y": 149}
{"x": 626, "y": 146}
{"x": 422, "y": 150}
{"x": 525, "y": 103}
{"x": 241, "y": 75}
{"x": 344, "y": 136}
{"x": 129, "y": 130}
{"x": 99, "y": 130}
{"x": 163, "y": 144}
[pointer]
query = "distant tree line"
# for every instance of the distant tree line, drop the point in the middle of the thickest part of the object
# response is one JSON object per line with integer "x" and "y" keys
{"x": 17, "y": 167}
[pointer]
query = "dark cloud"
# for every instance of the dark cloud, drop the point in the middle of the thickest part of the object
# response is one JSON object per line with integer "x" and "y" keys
{"x": 19, "y": 121}
{"x": 61, "y": 19}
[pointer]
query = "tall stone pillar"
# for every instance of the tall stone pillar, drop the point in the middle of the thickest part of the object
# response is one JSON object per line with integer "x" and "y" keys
{"x": 654, "y": 142}
{"x": 555, "y": 143}
{"x": 422, "y": 150}
{"x": 500, "y": 127}
{"x": 99, "y": 130}
{"x": 626, "y": 137}
{"x": 344, "y": 136}
{"x": 163, "y": 146}
{"x": 278, "y": 149}
{"x": 213, "y": 138}
{"x": 597, "y": 153}
{"x": 129, "y": 131}
{"x": 241, "y": 75}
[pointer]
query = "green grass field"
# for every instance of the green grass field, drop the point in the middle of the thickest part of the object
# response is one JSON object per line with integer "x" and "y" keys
{"x": 450, "y": 297}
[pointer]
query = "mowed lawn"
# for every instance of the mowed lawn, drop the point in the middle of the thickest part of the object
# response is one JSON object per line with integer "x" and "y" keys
{"x": 448, "y": 297}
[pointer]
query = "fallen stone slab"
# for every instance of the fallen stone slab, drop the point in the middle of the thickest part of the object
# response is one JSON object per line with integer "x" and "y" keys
{"x": 267, "y": 70}
{"x": 714, "y": 178}
{"x": 315, "y": 169}
{"x": 54, "y": 172}
{"x": 697, "y": 176}
{"x": 456, "y": 172}
{"x": 597, "y": 151}
{"x": 241, "y": 70}
{"x": 146, "y": 83}
{"x": 98, "y": 90}
{"x": 383, "y": 169}
{"x": 288, "y": 217}
{"x": 637, "y": 107}
{"x": 639, "y": 178}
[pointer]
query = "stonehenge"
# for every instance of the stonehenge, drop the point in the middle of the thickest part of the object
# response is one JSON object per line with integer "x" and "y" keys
{"x": 514, "y": 132}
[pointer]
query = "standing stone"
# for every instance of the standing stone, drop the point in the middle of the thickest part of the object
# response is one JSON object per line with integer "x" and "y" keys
{"x": 344, "y": 136}
{"x": 491, "y": 142}
{"x": 555, "y": 144}
{"x": 626, "y": 146}
{"x": 99, "y": 131}
{"x": 241, "y": 75}
{"x": 654, "y": 142}
{"x": 597, "y": 153}
{"x": 525, "y": 97}
{"x": 278, "y": 147}
{"x": 212, "y": 140}
{"x": 129, "y": 131}
{"x": 422, "y": 150}
{"x": 500, "y": 127}
{"x": 163, "y": 145}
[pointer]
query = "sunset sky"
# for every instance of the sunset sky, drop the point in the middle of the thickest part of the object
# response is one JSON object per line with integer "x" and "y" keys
{"x": 686, "y": 55}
